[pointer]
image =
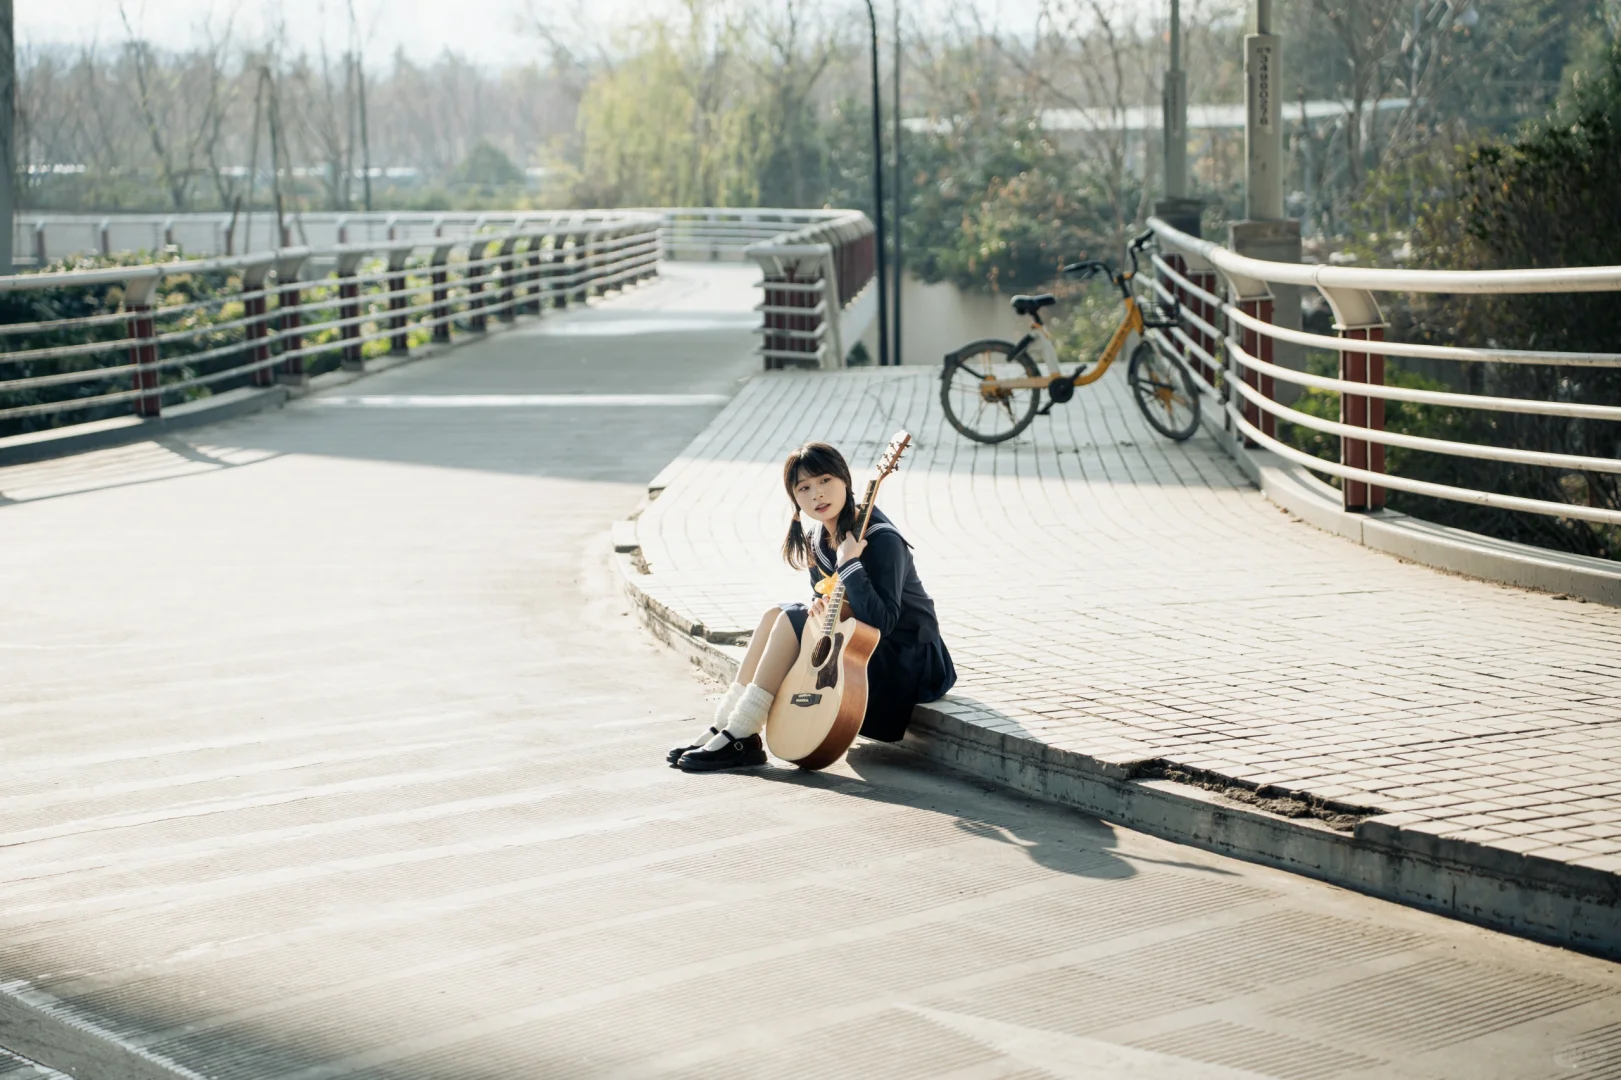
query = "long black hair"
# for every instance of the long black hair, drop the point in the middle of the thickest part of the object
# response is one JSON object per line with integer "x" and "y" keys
{"x": 815, "y": 459}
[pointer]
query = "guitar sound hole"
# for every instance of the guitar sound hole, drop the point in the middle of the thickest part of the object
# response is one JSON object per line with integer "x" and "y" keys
{"x": 819, "y": 654}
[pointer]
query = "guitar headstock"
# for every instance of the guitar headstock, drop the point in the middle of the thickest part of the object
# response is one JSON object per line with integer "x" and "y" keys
{"x": 891, "y": 458}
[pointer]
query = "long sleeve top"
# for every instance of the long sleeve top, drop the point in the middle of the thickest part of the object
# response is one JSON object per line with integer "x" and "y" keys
{"x": 884, "y": 591}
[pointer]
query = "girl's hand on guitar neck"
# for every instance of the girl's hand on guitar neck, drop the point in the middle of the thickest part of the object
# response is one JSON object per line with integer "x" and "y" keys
{"x": 818, "y": 609}
{"x": 851, "y": 547}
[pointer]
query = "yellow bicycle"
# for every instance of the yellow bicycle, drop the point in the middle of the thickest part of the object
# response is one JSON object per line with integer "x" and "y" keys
{"x": 991, "y": 389}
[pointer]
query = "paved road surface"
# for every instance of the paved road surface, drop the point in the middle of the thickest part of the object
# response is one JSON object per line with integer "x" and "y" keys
{"x": 331, "y": 750}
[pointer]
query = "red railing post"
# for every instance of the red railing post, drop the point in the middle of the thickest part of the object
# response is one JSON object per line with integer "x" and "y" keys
{"x": 143, "y": 349}
{"x": 532, "y": 277}
{"x": 774, "y": 320}
{"x": 255, "y": 298}
{"x": 1259, "y": 346}
{"x": 477, "y": 250}
{"x": 1357, "y": 410}
{"x": 509, "y": 282}
{"x": 650, "y": 259}
{"x": 559, "y": 270}
{"x": 289, "y": 320}
{"x": 1179, "y": 266}
{"x": 582, "y": 259}
{"x": 399, "y": 340}
{"x": 440, "y": 311}
{"x": 1205, "y": 278}
{"x": 349, "y": 311}
{"x": 618, "y": 246}
{"x": 1357, "y": 318}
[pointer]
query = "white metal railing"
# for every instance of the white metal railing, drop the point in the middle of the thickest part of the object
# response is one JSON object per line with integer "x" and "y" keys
{"x": 1228, "y": 334}
{"x": 690, "y": 233}
{"x": 372, "y": 282}
{"x": 268, "y": 316}
{"x": 817, "y": 301}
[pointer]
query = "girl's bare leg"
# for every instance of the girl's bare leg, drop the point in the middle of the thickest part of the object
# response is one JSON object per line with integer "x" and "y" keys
{"x": 757, "y": 645}
{"x": 780, "y": 652}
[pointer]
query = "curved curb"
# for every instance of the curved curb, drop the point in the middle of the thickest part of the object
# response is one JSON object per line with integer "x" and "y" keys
{"x": 1570, "y": 906}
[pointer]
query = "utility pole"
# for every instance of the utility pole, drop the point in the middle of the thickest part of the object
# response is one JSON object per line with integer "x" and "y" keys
{"x": 277, "y": 154}
{"x": 1265, "y": 233}
{"x": 360, "y": 87}
{"x": 900, "y": 175}
{"x": 8, "y": 134}
{"x": 878, "y": 196}
{"x": 1263, "y": 120}
{"x": 365, "y": 137}
{"x": 1176, "y": 113}
{"x": 1176, "y": 208}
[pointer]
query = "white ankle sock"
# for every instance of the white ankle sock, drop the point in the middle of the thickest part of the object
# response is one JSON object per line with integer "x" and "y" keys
{"x": 728, "y": 702}
{"x": 748, "y": 716}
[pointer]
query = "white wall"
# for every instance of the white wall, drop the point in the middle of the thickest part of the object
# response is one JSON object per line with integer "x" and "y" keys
{"x": 936, "y": 319}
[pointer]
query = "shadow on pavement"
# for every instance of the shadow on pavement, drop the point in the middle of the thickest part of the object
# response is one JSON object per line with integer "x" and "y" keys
{"x": 1083, "y": 846}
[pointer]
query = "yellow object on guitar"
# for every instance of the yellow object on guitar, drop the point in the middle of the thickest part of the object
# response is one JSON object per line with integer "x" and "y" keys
{"x": 826, "y": 586}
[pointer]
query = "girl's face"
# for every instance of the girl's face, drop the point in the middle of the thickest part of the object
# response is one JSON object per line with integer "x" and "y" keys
{"x": 820, "y": 497}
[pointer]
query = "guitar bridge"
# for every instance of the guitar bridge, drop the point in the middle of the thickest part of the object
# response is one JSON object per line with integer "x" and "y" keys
{"x": 805, "y": 701}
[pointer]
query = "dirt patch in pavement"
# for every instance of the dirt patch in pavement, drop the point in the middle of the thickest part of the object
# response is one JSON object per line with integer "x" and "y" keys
{"x": 1340, "y": 817}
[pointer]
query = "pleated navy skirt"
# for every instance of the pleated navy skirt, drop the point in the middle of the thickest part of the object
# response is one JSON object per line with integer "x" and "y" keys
{"x": 901, "y": 674}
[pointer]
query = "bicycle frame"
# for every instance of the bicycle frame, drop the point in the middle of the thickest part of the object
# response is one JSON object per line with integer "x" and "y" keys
{"x": 1132, "y": 323}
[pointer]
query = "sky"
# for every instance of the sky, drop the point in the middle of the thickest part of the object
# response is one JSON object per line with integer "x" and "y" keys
{"x": 488, "y": 31}
{"x": 492, "y": 32}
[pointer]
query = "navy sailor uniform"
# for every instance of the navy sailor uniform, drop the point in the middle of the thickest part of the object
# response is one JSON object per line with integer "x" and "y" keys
{"x": 911, "y": 663}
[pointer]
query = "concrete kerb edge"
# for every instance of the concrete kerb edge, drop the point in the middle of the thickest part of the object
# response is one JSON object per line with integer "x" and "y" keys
{"x": 1293, "y": 488}
{"x": 1570, "y": 906}
{"x": 1573, "y": 907}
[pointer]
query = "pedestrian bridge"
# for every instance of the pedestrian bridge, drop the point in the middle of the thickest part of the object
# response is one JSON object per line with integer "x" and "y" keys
{"x": 325, "y": 729}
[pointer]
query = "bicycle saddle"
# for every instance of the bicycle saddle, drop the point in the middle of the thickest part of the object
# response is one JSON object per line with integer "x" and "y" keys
{"x": 1027, "y": 305}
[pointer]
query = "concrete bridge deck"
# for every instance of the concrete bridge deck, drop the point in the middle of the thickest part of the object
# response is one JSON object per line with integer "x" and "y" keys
{"x": 332, "y": 749}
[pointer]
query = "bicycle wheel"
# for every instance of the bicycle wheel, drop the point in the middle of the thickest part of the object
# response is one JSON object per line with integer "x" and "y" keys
{"x": 988, "y": 414}
{"x": 1164, "y": 392}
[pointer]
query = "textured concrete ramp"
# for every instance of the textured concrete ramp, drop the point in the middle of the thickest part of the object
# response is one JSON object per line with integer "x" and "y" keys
{"x": 331, "y": 749}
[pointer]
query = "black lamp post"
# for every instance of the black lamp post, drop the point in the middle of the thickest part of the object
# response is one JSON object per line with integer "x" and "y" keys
{"x": 878, "y": 197}
{"x": 900, "y": 179}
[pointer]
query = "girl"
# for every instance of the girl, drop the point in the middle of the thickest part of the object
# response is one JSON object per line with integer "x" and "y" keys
{"x": 911, "y": 663}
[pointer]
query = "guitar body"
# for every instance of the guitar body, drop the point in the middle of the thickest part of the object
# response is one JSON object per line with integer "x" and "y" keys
{"x": 820, "y": 705}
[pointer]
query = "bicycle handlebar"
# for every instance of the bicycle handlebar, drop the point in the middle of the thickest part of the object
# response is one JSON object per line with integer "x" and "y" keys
{"x": 1085, "y": 268}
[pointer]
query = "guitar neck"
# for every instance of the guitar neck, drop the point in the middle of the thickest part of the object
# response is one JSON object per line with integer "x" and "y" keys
{"x": 867, "y": 506}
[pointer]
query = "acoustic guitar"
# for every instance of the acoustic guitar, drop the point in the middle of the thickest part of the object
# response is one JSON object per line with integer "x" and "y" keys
{"x": 820, "y": 705}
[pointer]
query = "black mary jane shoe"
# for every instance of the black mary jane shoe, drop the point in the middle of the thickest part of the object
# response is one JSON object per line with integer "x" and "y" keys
{"x": 738, "y": 753}
{"x": 676, "y": 751}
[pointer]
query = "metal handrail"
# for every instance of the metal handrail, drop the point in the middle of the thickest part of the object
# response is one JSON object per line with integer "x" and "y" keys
{"x": 1348, "y": 291}
{"x": 388, "y": 276}
{"x": 723, "y": 229}
{"x": 550, "y": 263}
{"x": 1370, "y": 279}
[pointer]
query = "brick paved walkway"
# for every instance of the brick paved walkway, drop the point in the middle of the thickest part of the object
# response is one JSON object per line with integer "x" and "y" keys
{"x": 1116, "y": 595}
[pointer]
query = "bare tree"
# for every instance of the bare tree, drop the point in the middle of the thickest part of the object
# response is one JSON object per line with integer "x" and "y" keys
{"x": 789, "y": 65}
{"x": 167, "y": 95}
